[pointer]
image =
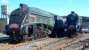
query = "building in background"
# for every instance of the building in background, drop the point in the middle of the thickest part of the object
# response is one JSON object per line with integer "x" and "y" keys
{"x": 85, "y": 22}
{"x": 3, "y": 22}
{"x": 3, "y": 11}
{"x": 4, "y": 17}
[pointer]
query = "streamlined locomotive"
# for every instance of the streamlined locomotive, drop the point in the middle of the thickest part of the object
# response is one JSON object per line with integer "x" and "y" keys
{"x": 36, "y": 24}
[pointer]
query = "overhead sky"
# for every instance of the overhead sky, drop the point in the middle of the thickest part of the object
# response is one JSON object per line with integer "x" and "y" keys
{"x": 59, "y": 7}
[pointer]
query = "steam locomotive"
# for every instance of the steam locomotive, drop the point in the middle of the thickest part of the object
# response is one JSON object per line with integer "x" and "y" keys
{"x": 34, "y": 23}
{"x": 24, "y": 21}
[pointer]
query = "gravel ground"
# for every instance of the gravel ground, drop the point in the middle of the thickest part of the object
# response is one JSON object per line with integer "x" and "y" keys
{"x": 79, "y": 44}
{"x": 38, "y": 44}
{"x": 47, "y": 44}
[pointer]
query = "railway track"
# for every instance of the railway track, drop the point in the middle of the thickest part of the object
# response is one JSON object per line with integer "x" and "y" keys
{"x": 42, "y": 44}
{"x": 6, "y": 46}
{"x": 60, "y": 44}
{"x": 32, "y": 44}
{"x": 73, "y": 45}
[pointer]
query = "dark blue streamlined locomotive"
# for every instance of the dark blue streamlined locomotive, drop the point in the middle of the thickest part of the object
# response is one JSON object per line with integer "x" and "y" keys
{"x": 66, "y": 29}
